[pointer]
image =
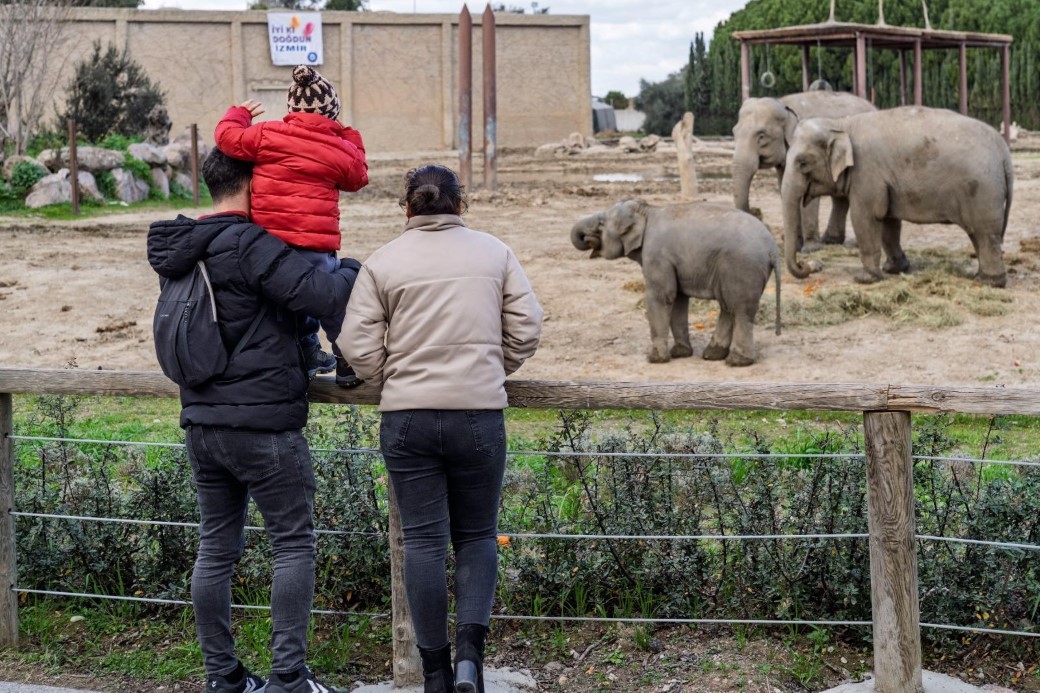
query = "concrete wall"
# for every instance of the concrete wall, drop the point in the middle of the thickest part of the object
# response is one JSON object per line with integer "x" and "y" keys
{"x": 396, "y": 74}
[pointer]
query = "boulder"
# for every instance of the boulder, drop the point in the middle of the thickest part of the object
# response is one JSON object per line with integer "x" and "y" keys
{"x": 161, "y": 182}
{"x": 148, "y": 153}
{"x": 129, "y": 188}
{"x": 649, "y": 143}
{"x": 158, "y": 132}
{"x": 178, "y": 154}
{"x": 183, "y": 180}
{"x": 628, "y": 144}
{"x": 576, "y": 140}
{"x": 56, "y": 188}
{"x": 87, "y": 158}
{"x": 13, "y": 161}
{"x": 551, "y": 149}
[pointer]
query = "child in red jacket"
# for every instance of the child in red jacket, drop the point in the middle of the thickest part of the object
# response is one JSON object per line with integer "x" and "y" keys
{"x": 301, "y": 164}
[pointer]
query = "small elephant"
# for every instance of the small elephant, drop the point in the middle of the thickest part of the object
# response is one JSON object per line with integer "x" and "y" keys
{"x": 925, "y": 165}
{"x": 691, "y": 250}
{"x": 761, "y": 135}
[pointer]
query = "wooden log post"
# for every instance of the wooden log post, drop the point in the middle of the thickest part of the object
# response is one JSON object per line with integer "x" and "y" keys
{"x": 8, "y": 562}
{"x": 893, "y": 553}
{"x": 465, "y": 137}
{"x": 195, "y": 164}
{"x": 682, "y": 137}
{"x": 73, "y": 166}
{"x": 407, "y": 667}
{"x": 488, "y": 29}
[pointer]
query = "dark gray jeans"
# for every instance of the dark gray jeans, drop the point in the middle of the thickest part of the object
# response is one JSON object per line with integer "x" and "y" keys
{"x": 273, "y": 468}
{"x": 446, "y": 467}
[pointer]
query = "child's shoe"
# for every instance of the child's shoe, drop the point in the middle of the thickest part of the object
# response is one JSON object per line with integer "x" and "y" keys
{"x": 239, "y": 681}
{"x": 317, "y": 361}
{"x": 345, "y": 375}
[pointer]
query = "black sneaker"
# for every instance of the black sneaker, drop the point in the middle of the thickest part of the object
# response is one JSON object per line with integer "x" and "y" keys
{"x": 302, "y": 681}
{"x": 345, "y": 375}
{"x": 318, "y": 361}
{"x": 247, "y": 683}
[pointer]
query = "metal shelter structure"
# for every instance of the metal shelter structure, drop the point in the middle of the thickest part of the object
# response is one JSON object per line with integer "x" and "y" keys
{"x": 859, "y": 37}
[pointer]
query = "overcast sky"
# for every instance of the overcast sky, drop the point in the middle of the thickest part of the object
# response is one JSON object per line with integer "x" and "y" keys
{"x": 631, "y": 39}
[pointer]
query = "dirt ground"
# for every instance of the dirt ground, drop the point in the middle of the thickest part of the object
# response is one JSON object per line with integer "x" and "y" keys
{"x": 82, "y": 290}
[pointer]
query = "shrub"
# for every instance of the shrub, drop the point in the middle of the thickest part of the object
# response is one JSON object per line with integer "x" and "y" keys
{"x": 106, "y": 184}
{"x": 47, "y": 139}
{"x": 24, "y": 175}
{"x": 118, "y": 142}
{"x": 110, "y": 94}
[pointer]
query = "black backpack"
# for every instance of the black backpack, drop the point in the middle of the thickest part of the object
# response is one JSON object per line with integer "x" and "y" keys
{"x": 186, "y": 330}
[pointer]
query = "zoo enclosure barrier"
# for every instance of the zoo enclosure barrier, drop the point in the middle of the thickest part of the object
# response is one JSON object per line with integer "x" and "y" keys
{"x": 886, "y": 412}
{"x": 74, "y": 164}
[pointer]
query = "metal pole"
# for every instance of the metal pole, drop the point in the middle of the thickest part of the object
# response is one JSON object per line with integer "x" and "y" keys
{"x": 805, "y": 67}
{"x": 8, "y": 559}
{"x": 465, "y": 97}
{"x": 861, "y": 66}
{"x": 893, "y": 553}
{"x": 195, "y": 163}
{"x": 73, "y": 166}
{"x": 1005, "y": 67}
{"x": 963, "y": 63}
{"x": 902, "y": 78}
{"x": 918, "y": 71}
{"x": 490, "y": 102}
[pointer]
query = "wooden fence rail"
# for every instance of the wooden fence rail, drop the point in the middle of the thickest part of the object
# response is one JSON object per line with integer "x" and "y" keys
{"x": 887, "y": 429}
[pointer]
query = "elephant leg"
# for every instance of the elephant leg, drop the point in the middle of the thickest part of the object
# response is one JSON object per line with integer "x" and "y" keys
{"x": 681, "y": 327}
{"x": 811, "y": 227}
{"x": 836, "y": 224}
{"x": 991, "y": 258}
{"x": 868, "y": 232}
{"x": 718, "y": 347}
{"x": 658, "y": 313}
{"x": 742, "y": 348}
{"x": 891, "y": 233}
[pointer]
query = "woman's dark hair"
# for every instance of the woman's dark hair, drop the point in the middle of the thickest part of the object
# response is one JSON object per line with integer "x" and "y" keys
{"x": 433, "y": 189}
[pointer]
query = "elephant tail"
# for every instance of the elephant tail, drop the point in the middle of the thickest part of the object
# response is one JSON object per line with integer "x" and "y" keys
{"x": 1009, "y": 182}
{"x": 776, "y": 275}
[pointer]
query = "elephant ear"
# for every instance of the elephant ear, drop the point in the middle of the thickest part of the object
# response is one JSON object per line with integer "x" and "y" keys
{"x": 791, "y": 121}
{"x": 840, "y": 154}
{"x": 633, "y": 225}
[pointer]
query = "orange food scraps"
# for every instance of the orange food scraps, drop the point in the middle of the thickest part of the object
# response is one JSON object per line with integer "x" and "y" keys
{"x": 503, "y": 540}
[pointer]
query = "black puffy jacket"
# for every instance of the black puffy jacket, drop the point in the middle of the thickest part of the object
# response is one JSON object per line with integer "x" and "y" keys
{"x": 265, "y": 386}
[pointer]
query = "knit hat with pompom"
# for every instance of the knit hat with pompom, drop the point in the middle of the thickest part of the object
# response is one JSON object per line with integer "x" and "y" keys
{"x": 312, "y": 93}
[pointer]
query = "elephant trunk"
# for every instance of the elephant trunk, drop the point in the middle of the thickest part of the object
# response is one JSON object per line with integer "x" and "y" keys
{"x": 792, "y": 192}
{"x": 744, "y": 168}
{"x": 586, "y": 234}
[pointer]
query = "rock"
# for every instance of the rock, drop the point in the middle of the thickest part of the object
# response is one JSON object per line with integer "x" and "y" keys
{"x": 576, "y": 140}
{"x": 628, "y": 144}
{"x": 158, "y": 132}
{"x": 50, "y": 190}
{"x": 56, "y": 188}
{"x": 10, "y": 163}
{"x": 87, "y": 158}
{"x": 128, "y": 188}
{"x": 178, "y": 154}
{"x": 649, "y": 143}
{"x": 548, "y": 149}
{"x": 185, "y": 139}
{"x": 183, "y": 180}
{"x": 148, "y": 153}
{"x": 161, "y": 182}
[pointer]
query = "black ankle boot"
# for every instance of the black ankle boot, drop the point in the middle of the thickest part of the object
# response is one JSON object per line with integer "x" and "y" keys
{"x": 436, "y": 667}
{"x": 469, "y": 658}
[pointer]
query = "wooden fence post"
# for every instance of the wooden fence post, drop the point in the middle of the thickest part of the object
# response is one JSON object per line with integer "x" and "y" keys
{"x": 487, "y": 30}
{"x": 73, "y": 166}
{"x": 8, "y": 562}
{"x": 893, "y": 553}
{"x": 407, "y": 668}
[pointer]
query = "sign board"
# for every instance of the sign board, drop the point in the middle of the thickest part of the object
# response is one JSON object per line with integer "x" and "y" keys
{"x": 295, "y": 38}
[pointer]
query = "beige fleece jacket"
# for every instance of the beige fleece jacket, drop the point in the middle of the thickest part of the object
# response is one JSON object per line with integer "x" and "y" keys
{"x": 439, "y": 317}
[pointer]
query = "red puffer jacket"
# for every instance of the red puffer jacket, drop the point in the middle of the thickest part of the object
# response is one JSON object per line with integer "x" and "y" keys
{"x": 301, "y": 164}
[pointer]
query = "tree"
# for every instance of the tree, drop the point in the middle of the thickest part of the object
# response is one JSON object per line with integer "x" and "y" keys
{"x": 616, "y": 99}
{"x": 32, "y": 33}
{"x": 662, "y": 102}
{"x": 110, "y": 94}
{"x": 310, "y": 5}
{"x": 698, "y": 82}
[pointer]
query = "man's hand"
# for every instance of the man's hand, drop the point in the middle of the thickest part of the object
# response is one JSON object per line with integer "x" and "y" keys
{"x": 255, "y": 108}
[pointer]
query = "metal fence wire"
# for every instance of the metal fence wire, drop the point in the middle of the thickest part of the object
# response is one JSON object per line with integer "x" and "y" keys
{"x": 1015, "y": 546}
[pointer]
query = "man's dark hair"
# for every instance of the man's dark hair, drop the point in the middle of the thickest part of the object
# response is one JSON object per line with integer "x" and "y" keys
{"x": 225, "y": 176}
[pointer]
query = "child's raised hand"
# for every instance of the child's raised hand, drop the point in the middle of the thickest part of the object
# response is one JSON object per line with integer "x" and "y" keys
{"x": 255, "y": 108}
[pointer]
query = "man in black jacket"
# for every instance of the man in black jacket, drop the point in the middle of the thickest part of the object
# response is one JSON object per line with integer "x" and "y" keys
{"x": 244, "y": 428}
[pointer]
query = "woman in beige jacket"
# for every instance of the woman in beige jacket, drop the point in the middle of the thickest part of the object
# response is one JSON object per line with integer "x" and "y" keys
{"x": 439, "y": 317}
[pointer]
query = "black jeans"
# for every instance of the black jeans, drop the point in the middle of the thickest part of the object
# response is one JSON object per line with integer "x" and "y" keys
{"x": 274, "y": 468}
{"x": 446, "y": 467}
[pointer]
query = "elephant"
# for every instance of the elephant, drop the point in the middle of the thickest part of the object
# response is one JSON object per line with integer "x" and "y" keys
{"x": 691, "y": 250}
{"x": 761, "y": 135}
{"x": 924, "y": 165}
